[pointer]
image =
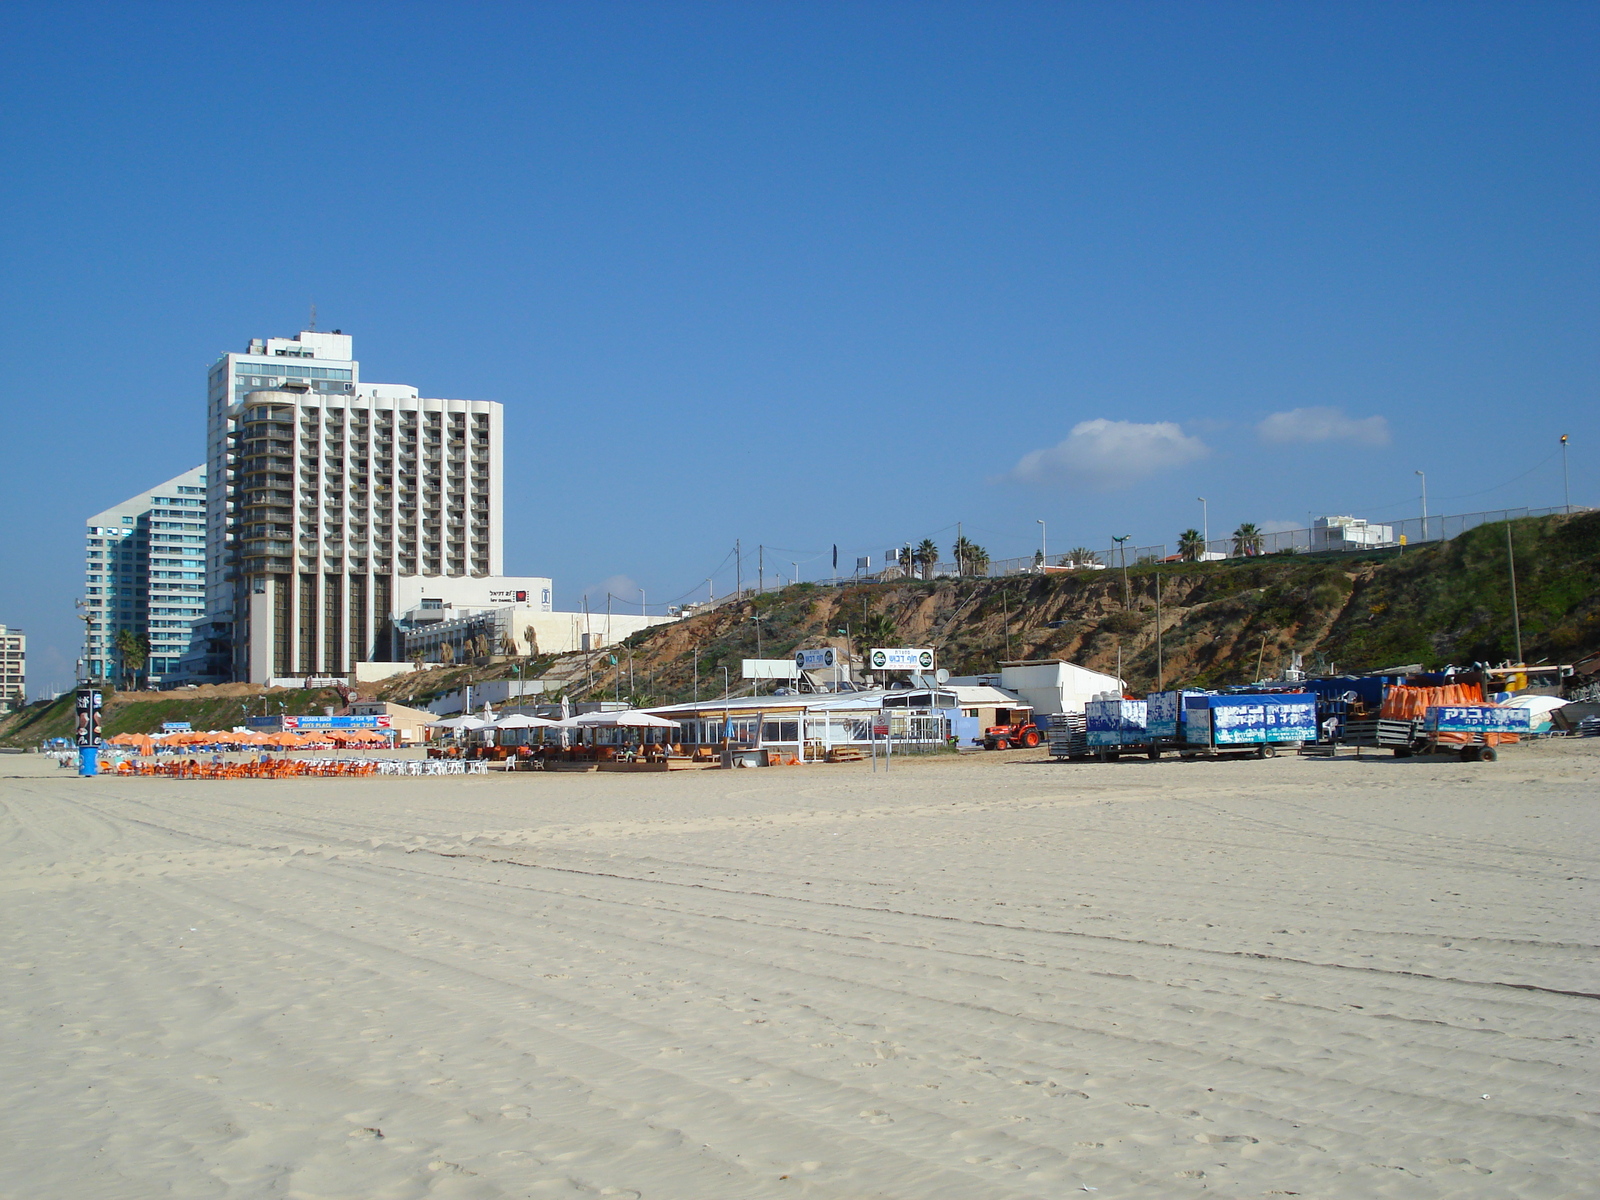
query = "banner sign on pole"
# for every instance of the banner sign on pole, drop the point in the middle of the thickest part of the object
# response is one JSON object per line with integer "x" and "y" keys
{"x": 817, "y": 660}
{"x": 87, "y": 708}
{"x": 884, "y": 659}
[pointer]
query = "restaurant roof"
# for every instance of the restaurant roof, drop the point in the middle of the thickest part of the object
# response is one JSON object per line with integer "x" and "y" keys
{"x": 808, "y": 701}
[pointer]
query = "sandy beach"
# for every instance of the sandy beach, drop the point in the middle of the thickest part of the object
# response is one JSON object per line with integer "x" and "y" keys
{"x": 986, "y": 978}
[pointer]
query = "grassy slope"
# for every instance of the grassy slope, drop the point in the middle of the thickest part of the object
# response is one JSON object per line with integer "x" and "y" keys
{"x": 1434, "y": 605}
{"x": 144, "y": 713}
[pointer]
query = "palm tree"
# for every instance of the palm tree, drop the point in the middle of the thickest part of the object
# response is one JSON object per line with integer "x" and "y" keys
{"x": 960, "y": 550}
{"x": 1191, "y": 545}
{"x": 971, "y": 558}
{"x": 416, "y": 657}
{"x": 447, "y": 653}
{"x": 1247, "y": 540}
{"x": 927, "y": 553}
{"x": 134, "y": 651}
{"x": 1082, "y": 556}
{"x": 877, "y": 630}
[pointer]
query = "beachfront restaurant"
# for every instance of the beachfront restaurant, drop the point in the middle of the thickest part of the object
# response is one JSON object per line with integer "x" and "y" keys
{"x": 798, "y": 727}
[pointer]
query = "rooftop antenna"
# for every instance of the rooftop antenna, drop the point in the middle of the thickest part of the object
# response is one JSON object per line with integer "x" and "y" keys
{"x": 313, "y": 326}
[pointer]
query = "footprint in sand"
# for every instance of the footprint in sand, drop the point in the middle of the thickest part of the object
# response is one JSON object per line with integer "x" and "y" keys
{"x": 875, "y": 1116}
{"x": 1216, "y": 1138}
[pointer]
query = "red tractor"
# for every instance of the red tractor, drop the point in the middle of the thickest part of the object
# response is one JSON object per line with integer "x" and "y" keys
{"x": 1003, "y": 737}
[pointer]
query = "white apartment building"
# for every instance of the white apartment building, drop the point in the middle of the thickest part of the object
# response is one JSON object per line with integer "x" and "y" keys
{"x": 331, "y": 503}
{"x": 13, "y": 670}
{"x": 144, "y": 571}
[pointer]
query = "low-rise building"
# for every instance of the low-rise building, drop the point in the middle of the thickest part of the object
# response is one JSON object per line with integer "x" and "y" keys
{"x": 1050, "y": 685}
{"x": 1349, "y": 533}
{"x": 13, "y": 669}
{"x": 515, "y": 631}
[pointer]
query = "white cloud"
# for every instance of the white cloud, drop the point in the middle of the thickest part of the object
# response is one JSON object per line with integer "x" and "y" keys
{"x": 1104, "y": 454}
{"x": 1323, "y": 425}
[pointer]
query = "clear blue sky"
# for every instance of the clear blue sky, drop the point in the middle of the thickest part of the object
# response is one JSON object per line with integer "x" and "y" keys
{"x": 814, "y": 273}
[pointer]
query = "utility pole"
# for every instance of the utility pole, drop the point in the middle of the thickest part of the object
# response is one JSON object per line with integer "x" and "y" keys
{"x": 1511, "y": 567}
{"x": 795, "y": 568}
{"x": 1424, "y": 479}
{"x": 761, "y": 568}
{"x": 641, "y": 602}
{"x": 1161, "y": 678}
{"x": 959, "y": 541}
{"x": 1205, "y": 524}
{"x": 738, "y": 570}
{"x": 724, "y": 683}
{"x": 697, "y": 674}
{"x": 1566, "y": 490}
{"x": 1044, "y": 550}
{"x": 588, "y": 634}
{"x": 1122, "y": 545}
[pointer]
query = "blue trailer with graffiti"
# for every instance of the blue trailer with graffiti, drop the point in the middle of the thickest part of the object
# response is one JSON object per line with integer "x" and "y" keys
{"x": 1116, "y": 727}
{"x": 1247, "y": 723}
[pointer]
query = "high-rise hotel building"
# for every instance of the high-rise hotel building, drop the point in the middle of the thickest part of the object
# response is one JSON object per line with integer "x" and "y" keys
{"x": 144, "y": 573}
{"x": 13, "y": 670}
{"x": 333, "y": 504}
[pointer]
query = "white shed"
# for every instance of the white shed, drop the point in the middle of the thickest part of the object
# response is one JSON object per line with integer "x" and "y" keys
{"x": 1050, "y": 685}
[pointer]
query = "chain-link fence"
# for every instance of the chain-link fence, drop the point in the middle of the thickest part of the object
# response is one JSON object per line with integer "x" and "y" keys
{"x": 1331, "y": 535}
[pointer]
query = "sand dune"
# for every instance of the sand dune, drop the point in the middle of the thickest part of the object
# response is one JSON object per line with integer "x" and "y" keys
{"x": 990, "y": 978}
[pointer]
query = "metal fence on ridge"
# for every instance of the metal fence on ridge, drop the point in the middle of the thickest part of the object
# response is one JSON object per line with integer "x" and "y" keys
{"x": 1374, "y": 535}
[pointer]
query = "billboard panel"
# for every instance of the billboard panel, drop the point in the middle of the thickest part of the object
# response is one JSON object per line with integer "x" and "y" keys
{"x": 900, "y": 659}
{"x": 369, "y": 721}
{"x": 770, "y": 668}
{"x": 1476, "y": 718}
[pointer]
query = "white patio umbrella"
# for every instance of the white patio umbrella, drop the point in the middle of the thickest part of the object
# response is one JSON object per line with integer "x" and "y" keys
{"x": 460, "y": 723}
{"x": 629, "y": 719}
{"x": 523, "y": 721}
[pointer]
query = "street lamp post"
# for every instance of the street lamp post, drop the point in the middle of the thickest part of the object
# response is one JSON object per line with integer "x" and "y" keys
{"x": 1205, "y": 525}
{"x": 1044, "y": 551}
{"x": 724, "y": 683}
{"x": 1127, "y": 596}
{"x": 1423, "y": 476}
{"x": 1566, "y": 490}
{"x": 641, "y": 602}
